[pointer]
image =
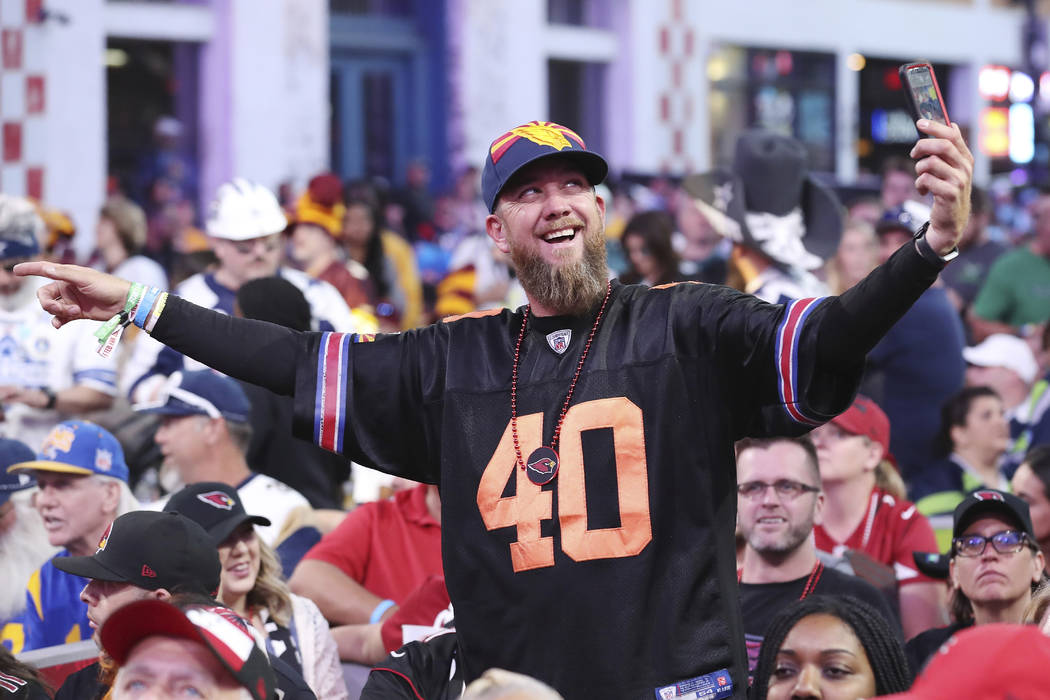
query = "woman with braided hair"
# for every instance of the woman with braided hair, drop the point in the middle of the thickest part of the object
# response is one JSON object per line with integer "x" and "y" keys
{"x": 834, "y": 648}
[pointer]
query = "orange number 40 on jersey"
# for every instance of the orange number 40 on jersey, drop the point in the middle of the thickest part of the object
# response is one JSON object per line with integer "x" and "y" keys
{"x": 531, "y": 504}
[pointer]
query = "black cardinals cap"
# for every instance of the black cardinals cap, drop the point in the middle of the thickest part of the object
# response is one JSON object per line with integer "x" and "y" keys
{"x": 215, "y": 506}
{"x": 151, "y": 550}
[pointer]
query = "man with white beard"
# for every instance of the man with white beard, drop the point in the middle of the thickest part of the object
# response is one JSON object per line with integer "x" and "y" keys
{"x": 23, "y": 541}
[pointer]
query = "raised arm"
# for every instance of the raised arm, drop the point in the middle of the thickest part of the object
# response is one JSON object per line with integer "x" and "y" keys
{"x": 863, "y": 314}
{"x": 254, "y": 351}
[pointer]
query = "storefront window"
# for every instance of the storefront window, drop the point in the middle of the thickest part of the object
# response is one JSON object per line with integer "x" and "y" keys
{"x": 791, "y": 92}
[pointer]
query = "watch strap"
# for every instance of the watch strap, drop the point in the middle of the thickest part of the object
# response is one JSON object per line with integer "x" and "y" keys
{"x": 928, "y": 253}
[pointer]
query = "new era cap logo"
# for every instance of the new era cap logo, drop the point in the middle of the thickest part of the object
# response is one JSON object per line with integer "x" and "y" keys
{"x": 988, "y": 496}
{"x": 148, "y": 572}
{"x": 217, "y": 499}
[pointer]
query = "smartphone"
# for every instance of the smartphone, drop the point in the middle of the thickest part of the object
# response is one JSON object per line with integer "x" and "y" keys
{"x": 923, "y": 93}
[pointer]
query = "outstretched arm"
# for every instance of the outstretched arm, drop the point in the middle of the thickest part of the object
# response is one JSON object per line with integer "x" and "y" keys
{"x": 76, "y": 292}
{"x": 254, "y": 351}
{"x": 862, "y": 315}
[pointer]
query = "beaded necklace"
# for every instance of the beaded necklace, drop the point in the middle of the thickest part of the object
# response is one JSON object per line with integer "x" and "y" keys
{"x": 543, "y": 463}
{"x": 811, "y": 582}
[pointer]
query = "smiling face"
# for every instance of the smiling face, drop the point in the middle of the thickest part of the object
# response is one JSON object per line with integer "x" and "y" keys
{"x": 75, "y": 509}
{"x": 821, "y": 657}
{"x": 774, "y": 524}
{"x": 552, "y": 225}
{"x": 239, "y": 556}
{"x": 992, "y": 578}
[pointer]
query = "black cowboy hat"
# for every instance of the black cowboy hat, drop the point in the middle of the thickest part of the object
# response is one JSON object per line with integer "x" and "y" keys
{"x": 771, "y": 202}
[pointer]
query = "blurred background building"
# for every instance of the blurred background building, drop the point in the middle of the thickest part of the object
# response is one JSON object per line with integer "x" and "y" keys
{"x": 165, "y": 100}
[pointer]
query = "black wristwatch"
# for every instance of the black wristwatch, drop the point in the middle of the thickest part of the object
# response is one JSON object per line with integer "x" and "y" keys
{"x": 927, "y": 251}
{"x": 51, "y": 398}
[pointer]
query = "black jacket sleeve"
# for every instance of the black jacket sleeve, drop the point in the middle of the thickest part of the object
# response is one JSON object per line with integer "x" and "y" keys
{"x": 255, "y": 351}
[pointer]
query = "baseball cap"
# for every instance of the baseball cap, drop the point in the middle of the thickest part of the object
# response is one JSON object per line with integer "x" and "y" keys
{"x": 21, "y": 228}
{"x": 214, "y": 506}
{"x": 933, "y": 564}
{"x": 864, "y": 417}
{"x": 151, "y": 550}
{"x": 1003, "y": 350}
{"x": 79, "y": 447}
{"x": 523, "y": 144}
{"x": 995, "y": 502}
{"x": 13, "y": 452}
{"x": 897, "y": 219}
{"x": 987, "y": 661}
{"x": 204, "y": 393}
{"x": 219, "y": 630}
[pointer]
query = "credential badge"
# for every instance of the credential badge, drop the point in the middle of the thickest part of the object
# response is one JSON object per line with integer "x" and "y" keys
{"x": 559, "y": 340}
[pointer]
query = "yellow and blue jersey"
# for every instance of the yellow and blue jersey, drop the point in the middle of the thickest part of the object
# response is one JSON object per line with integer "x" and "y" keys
{"x": 54, "y": 613}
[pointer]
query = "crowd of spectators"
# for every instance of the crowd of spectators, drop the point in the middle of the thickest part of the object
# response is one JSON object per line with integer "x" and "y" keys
{"x": 897, "y": 508}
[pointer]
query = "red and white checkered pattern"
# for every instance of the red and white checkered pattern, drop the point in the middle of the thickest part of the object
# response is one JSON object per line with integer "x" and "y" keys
{"x": 675, "y": 111}
{"x": 22, "y": 98}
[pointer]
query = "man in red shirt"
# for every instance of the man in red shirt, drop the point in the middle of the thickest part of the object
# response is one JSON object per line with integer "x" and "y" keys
{"x": 374, "y": 559}
{"x": 861, "y": 517}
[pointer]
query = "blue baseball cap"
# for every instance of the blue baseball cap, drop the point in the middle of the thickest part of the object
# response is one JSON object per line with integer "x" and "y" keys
{"x": 200, "y": 393}
{"x": 13, "y": 452}
{"x": 78, "y": 447}
{"x": 898, "y": 219}
{"x": 523, "y": 144}
{"x": 20, "y": 228}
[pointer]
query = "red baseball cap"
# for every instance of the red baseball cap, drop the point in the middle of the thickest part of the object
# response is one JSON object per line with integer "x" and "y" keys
{"x": 218, "y": 629}
{"x": 864, "y": 417}
{"x": 987, "y": 661}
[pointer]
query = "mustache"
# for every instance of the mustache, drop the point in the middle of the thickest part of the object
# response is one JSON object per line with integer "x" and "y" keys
{"x": 570, "y": 222}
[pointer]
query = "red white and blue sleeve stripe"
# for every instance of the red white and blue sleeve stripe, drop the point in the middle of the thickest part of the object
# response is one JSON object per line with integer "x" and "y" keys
{"x": 330, "y": 399}
{"x": 786, "y": 357}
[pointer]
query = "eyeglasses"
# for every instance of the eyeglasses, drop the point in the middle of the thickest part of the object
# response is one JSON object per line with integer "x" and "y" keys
{"x": 247, "y": 247}
{"x": 785, "y": 488}
{"x": 1005, "y": 542}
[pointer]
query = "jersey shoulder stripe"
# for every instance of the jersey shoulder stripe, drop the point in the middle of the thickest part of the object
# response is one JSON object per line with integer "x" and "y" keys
{"x": 786, "y": 356}
{"x": 330, "y": 398}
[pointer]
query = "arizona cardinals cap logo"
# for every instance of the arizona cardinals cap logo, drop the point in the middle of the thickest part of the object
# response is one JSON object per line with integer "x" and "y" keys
{"x": 541, "y": 133}
{"x": 217, "y": 499}
{"x": 988, "y": 496}
{"x": 104, "y": 540}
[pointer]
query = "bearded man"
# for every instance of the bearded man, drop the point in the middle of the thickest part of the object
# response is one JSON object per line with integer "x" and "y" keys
{"x": 583, "y": 444}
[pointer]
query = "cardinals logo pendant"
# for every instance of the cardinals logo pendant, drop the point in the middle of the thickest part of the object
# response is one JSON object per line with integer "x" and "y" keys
{"x": 542, "y": 466}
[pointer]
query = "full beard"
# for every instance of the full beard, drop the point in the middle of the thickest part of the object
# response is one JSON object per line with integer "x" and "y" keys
{"x": 571, "y": 288}
{"x": 23, "y": 549}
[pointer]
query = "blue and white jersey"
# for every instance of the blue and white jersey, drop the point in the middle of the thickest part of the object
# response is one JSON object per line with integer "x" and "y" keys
{"x": 151, "y": 359}
{"x": 54, "y": 613}
{"x": 34, "y": 355}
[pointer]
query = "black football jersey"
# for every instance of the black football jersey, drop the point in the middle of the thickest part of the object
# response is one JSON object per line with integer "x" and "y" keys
{"x": 618, "y": 578}
{"x": 425, "y": 670}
